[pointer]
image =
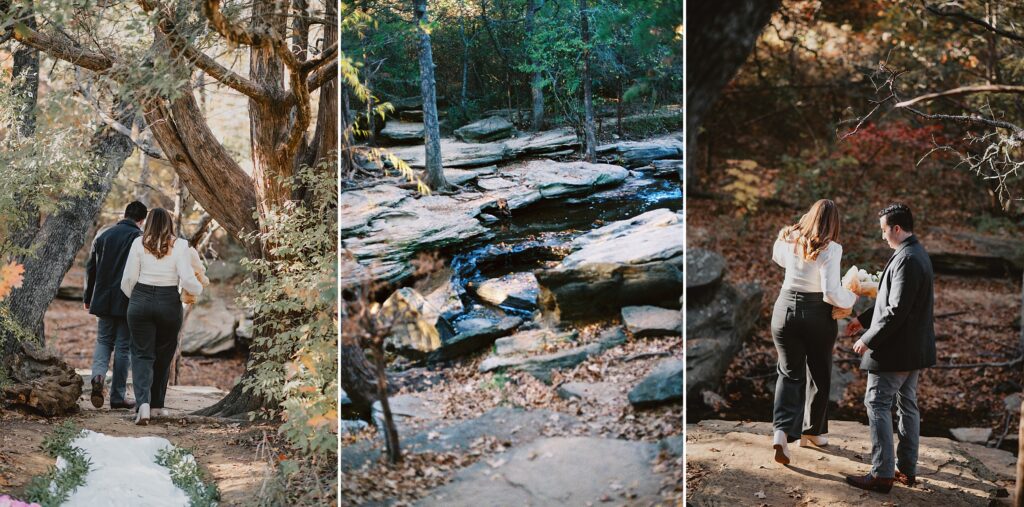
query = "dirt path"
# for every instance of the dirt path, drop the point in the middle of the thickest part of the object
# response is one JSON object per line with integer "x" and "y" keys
{"x": 226, "y": 450}
{"x": 731, "y": 463}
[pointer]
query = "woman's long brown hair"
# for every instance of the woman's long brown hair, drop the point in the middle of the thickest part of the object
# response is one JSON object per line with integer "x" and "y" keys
{"x": 816, "y": 229}
{"x": 159, "y": 234}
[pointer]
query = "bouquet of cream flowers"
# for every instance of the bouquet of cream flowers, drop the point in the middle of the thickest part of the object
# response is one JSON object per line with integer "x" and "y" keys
{"x": 861, "y": 283}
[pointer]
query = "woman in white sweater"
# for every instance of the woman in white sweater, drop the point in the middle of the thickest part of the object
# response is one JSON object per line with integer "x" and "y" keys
{"x": 804, "y": 326}
{"x": 158, "y": 263}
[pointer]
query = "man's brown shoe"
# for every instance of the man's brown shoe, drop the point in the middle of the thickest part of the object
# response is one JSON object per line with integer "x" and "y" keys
{"x": 906, "y": 480}
{"x": 870, "y": 483}
{"x": 97, "y": 391}
{"x": 124, "y": 404}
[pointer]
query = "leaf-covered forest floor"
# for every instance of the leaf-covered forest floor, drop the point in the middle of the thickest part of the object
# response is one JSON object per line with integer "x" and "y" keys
{"x": 460, "y": 392}
{"x": 977, "y": 318}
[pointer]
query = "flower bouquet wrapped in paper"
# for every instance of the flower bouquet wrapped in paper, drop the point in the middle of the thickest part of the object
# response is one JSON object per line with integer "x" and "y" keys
{"x": 860, "y": 282}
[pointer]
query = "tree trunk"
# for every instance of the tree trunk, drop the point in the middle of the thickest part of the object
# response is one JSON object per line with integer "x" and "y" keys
{"x": 536, "y": 81}
{"x": 465, "y": 57}
{"x": 723, "y": 34}
{"x": 358, "y": 378}
{"x": 588, "y": 100}
{"x": 64, "y": 233}
{"x": 428, "y": 89}
{"x": 25, "y": 73}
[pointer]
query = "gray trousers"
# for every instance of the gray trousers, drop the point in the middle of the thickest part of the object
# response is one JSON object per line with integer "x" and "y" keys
{"x": 884, "y": 388}
{"x": 112, "y": 337}
{"x": 154, "y": 316}
{"x": 804, "y": 333}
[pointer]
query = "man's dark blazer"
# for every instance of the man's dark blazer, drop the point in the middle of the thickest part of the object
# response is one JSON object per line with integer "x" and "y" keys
{"x": 900, "y": 332}
{"x": 105, "y": 267}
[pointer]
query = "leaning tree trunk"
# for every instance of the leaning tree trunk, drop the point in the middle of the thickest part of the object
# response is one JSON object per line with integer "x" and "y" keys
{"x": 536, "y": 81}
{"x": 588, "y": 100}
{"x": 428, "y": 89}
{"x": 722, "y": 33}
{"x": 64, "y": 233}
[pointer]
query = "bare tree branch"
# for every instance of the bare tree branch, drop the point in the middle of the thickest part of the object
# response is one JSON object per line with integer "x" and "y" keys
{"x": 64, "y": 50}
{"x": 963, "y": 90}
{"x": 322, "y": 76}
{"x": 956, "y": 10}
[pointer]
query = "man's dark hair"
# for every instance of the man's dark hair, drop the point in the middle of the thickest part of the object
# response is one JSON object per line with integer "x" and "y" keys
{"x": 136, "y": 211}
{"x": 898, "y": 214}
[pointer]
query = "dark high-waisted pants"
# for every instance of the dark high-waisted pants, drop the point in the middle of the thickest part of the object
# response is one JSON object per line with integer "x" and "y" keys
{"x": 804, "y": 333}
{"x": 154, "y": 317}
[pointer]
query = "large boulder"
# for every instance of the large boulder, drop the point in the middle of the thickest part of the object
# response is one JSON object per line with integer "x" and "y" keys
{"x": 486, "y": 130}
{"x": 663, "y": 385}
{"x": 643, "y": 321}
{"x": 641, "y": 153}
{"x": 416, "y": 325}
{"x": 556, "y": 179}
{"x": 638, "y": 261}
{"x": 704, "y": 272}
{"x": 471, "y": 341}
{"x": 402, "y": 133}
{"x": 42, "y": 382}
{"x": 715, "y": 331}
{"x": 456, "y": 154}
{"x": 209, "y": 328}
{"x": 970, "y": 253}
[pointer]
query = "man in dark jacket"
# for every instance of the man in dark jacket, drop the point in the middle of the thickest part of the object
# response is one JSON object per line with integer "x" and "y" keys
{"x": 104, "y": 299}
{"x": 898, "y": 344}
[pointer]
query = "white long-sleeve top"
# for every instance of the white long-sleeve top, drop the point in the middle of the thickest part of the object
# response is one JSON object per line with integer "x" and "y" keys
{"x": 172, "y": 270}
{"x": 820, "y": 275}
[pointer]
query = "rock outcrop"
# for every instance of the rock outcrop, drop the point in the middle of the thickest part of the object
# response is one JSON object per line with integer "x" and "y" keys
{"x": 717, "y": 320}
{"x": 486, "y": 130}
{"x": 663, "y": 385}
{"x": 638, "y": 261}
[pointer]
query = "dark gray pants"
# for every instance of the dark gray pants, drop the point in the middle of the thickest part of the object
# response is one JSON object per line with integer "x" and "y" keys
{"x": 884, "y": 388}
{"x": 154, "y": 317}
{"x": 112, "y": 337}
{"x": 804, "y": 333}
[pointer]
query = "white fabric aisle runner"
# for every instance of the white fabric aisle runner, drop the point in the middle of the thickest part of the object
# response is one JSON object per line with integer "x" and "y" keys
{"x": 124, "y": 473}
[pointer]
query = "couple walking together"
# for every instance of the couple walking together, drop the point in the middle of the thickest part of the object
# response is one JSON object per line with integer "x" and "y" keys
{"x": 897, "y": 343}
{"x": 132, "y": 280}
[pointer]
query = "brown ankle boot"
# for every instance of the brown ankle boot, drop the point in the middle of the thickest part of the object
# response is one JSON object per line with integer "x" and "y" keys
{"x": 870, "y": 483}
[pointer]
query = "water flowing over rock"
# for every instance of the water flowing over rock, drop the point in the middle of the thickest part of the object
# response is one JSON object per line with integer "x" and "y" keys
{"x": 384, "y": 226}
{"x": 663, "y": 385}
{"x": 717, "y": 324}
{"x": 486, "y": 130}
{"x": 43, "y": 382}
{"x": 638, "y": 261}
